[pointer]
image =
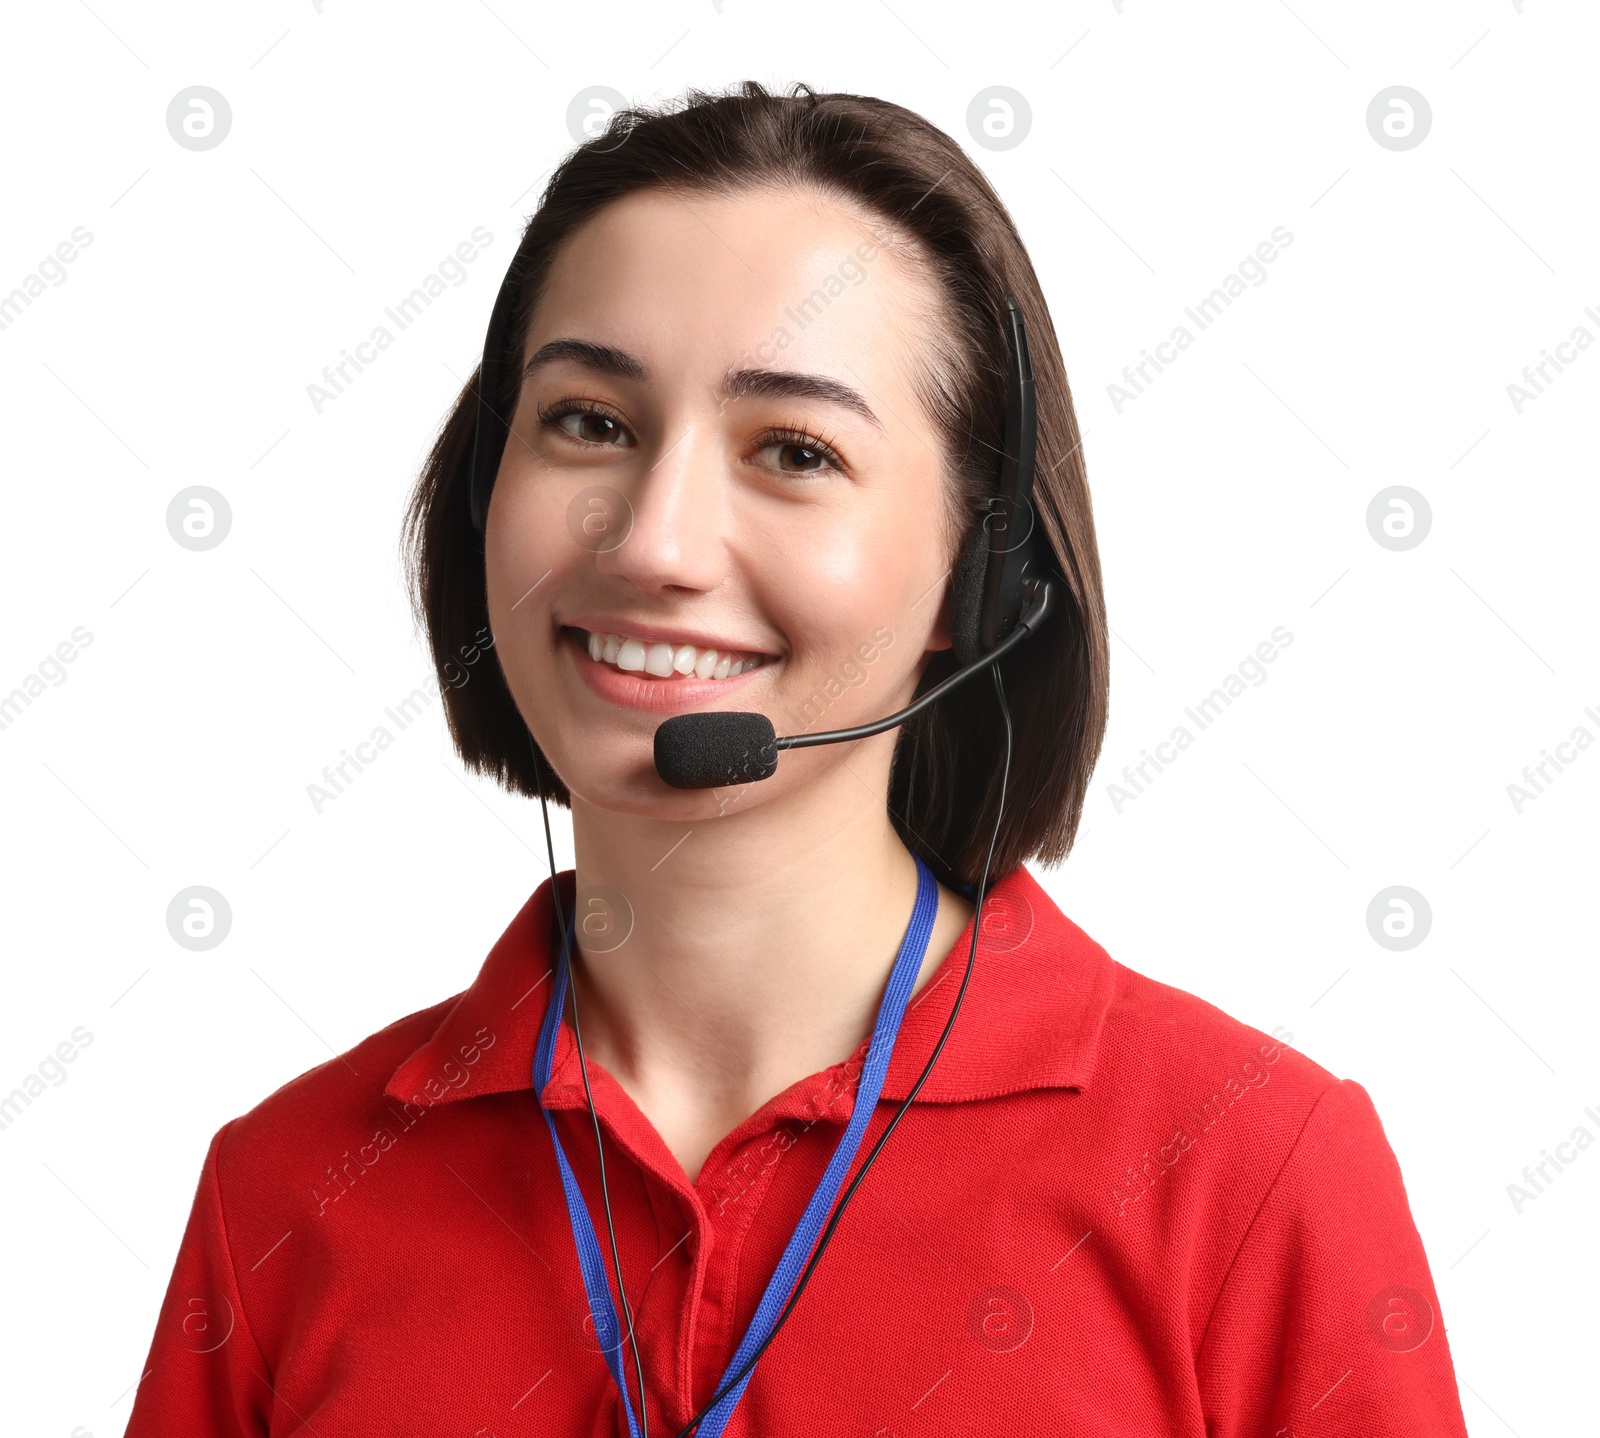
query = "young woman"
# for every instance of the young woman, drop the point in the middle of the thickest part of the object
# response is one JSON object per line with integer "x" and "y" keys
{"x": 749, "y": 407}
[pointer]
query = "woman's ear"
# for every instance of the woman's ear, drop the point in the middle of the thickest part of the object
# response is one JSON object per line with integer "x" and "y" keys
{"x": 942, "y": 635}
{"x": 939, "y": 637}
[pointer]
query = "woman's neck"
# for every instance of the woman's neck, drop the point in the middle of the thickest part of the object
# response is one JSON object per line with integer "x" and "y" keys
{"x": 760, "y": 946}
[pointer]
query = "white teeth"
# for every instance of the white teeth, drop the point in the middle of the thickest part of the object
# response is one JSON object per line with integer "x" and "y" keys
{"x": 663, "y": 661}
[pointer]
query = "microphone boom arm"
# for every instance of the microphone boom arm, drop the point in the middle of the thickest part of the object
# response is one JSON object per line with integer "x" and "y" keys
{"x": 1032, "y": 617}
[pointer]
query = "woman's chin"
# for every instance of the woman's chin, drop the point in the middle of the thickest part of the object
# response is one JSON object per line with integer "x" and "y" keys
{"x": 628, "y": 786}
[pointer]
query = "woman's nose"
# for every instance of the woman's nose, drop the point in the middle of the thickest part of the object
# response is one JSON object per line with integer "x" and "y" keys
{"x": 671, "y": 520}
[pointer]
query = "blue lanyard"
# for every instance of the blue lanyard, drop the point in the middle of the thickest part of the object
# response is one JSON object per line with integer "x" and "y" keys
{"x": 607, "y": 1328}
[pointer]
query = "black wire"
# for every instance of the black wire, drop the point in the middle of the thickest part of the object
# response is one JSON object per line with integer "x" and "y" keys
{"x": 838, "y": 1213}
{"x": 877, "y": 1148}
{"x": 583, "y": 1068}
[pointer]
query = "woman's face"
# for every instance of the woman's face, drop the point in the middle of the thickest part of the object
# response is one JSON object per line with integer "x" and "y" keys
{"x": 717, "y": 446}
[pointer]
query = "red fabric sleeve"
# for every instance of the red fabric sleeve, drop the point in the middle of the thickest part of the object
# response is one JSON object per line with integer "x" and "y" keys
{"x": 205, "y": 1376}
{"x": 1327, "y": 1321}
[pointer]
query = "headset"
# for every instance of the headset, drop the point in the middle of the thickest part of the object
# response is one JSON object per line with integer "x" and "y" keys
{"x": 1004, "y": 585}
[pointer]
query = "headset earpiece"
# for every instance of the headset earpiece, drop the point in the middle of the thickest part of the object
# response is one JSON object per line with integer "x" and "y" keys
{"x": 966, "y": 594}
{"x": 989, "y": 588}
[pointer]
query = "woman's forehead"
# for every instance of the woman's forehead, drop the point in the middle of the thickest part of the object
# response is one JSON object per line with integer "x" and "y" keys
{"x": 766, "y": 279}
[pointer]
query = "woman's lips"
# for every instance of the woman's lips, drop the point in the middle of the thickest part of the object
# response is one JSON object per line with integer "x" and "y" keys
{"x": 665, "y": 659}
{"x": 637, "y": 690}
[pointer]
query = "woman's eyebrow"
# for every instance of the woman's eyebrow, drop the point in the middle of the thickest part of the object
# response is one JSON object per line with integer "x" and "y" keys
{"x": 773, "y": 383}
{"x": 604, "y": 358}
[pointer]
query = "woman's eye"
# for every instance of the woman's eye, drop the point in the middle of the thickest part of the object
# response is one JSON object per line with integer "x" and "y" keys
{"x": 794, "y": 458}
{"x": 592, "y": 428}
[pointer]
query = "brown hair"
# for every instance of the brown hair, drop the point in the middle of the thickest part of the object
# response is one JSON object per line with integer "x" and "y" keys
{"x": 914, "y": 179}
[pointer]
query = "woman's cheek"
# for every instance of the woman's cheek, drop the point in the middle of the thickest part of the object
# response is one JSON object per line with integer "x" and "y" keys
{"x": 525, "y": 567}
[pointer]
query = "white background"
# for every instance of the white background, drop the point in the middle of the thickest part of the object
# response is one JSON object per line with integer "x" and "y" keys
{"x": 1166, "y": 142}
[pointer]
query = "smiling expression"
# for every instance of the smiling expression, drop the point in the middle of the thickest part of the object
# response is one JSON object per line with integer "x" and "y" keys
{"x": 721, "y": 489}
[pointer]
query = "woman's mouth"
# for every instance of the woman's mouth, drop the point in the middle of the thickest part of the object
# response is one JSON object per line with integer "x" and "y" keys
{"x": 631, "y": 655}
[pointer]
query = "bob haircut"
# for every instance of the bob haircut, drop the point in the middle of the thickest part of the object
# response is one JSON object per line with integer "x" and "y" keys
{"x": 914, "y": 182}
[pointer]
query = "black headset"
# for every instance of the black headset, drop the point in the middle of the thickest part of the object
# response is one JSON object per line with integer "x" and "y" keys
{"x": 1003, "y": 586}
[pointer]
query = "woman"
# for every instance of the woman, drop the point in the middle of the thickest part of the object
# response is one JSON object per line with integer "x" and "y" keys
{"x": 755, "y": 387}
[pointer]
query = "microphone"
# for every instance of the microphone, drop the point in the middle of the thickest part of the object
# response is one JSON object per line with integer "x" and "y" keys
{"x": 721, "y": 747}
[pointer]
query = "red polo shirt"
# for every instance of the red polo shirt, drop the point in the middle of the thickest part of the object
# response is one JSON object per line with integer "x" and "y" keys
{"x": 1112, "y": 1210}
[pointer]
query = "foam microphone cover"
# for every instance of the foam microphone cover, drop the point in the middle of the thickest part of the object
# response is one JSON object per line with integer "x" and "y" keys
{"x": 715, "y": 748}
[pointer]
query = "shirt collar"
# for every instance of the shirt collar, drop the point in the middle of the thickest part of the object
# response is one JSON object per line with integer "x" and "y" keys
{"x": 1031, "y": 1017}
